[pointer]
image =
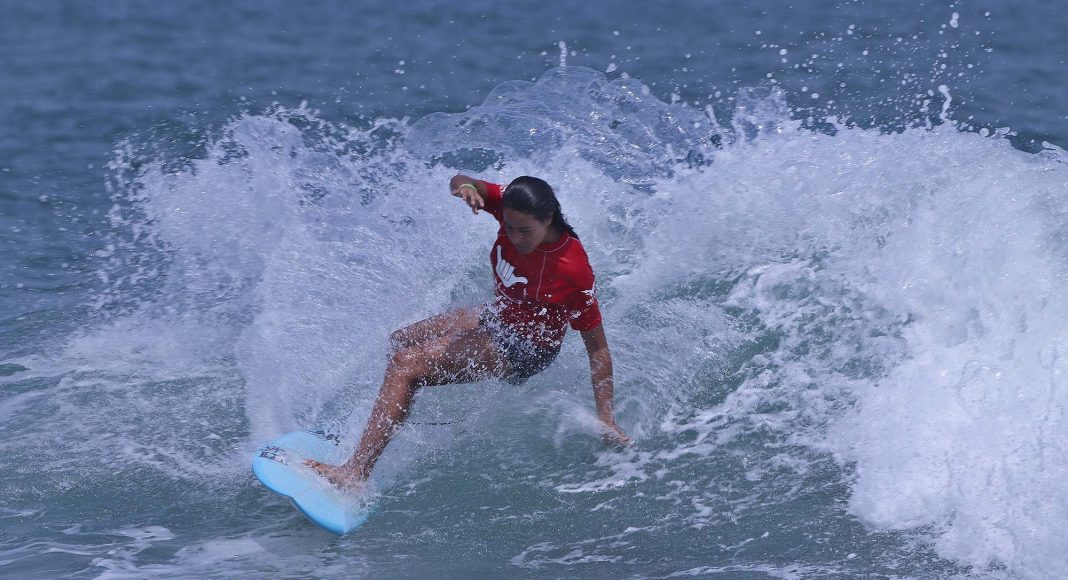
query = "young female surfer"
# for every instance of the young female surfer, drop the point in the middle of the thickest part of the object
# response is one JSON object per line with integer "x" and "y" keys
{"x": 543, "y": 283}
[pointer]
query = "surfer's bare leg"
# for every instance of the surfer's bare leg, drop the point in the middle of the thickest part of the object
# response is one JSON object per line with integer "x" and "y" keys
{"x": 465, "y": 357}
{"x": 452, "y": 322}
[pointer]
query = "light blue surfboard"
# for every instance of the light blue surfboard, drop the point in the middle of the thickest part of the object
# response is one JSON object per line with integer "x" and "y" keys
{"x": 280, "y": 467}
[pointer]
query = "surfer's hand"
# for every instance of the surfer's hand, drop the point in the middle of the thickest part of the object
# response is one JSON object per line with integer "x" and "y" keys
{"x": 469, "y": 193}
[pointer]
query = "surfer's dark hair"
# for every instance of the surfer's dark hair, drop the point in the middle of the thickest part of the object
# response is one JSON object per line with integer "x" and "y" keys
{"x": 533, "y": 196}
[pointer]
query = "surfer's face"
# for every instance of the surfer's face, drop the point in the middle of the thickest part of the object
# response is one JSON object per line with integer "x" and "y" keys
{"x": 524, "y": 230}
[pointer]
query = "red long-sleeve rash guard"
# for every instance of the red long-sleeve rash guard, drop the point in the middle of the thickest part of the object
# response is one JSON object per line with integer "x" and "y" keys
{"x": 539, "y": 293}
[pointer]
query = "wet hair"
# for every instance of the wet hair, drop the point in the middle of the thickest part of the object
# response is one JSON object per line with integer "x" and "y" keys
{"x": 533, "y": 196}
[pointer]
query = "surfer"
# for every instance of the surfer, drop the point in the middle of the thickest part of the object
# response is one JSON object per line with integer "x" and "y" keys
{"x": 543, "y": 283}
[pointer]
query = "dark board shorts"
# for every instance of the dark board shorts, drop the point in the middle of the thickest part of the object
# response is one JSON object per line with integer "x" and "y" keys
{"x": 525, "y": 359}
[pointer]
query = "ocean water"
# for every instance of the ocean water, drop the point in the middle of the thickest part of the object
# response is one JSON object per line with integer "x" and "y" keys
{"x": 831, "y": 249}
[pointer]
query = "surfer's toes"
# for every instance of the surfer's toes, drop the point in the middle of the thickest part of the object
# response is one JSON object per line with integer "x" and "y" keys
{"x": 335, "y": 474}
{"x": 328, "y": 471}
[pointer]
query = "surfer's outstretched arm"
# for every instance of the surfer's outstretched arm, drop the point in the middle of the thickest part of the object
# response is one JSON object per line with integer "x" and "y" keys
{"x": 601, "y": 376}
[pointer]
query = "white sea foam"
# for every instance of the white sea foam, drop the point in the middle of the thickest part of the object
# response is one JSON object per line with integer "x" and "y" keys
{"x": 893, "y": 300}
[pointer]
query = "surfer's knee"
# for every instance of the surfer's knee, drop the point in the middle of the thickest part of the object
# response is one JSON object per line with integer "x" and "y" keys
{"x": 403, "y": 358}
{"x": 409, "y": 364}
{"x": 397, "y": 339}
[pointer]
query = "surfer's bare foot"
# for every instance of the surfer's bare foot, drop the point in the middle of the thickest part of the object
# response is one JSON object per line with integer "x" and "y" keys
{"x": 615, "y": 437}
{"x": 338, "y": 475}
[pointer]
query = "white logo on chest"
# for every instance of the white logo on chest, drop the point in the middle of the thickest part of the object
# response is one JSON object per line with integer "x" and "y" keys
{"x": 506, "y": 272}
{"x": 592, "y": 292}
